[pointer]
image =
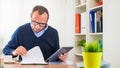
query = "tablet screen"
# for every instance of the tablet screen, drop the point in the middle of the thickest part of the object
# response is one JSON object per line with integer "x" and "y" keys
{"x": 60, "y": 51}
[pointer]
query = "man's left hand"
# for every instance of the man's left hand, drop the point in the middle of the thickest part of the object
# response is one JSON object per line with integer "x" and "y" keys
{"x": 63, "y": 57}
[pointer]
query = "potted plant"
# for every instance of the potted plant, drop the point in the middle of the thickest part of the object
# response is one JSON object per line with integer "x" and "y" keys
{"x": 82, "y": 44}
{"x": 92, "y": 55}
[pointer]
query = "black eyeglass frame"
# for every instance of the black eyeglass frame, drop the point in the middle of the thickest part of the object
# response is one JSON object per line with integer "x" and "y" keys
{"x": 38, "y": 23}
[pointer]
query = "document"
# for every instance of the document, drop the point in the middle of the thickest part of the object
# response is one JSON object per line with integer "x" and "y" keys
{"x": 33, "y": 56}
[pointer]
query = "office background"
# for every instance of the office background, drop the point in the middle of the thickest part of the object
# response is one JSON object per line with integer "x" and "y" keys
{"x": 17, "y": 12}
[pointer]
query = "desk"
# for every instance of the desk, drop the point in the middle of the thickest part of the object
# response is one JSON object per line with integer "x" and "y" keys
{"x": 18, "y": 65}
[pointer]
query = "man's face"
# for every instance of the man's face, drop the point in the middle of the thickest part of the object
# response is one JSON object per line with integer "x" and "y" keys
{"x": 38, "y": 22}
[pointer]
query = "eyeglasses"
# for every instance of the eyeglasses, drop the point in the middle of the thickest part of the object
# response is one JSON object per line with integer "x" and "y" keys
{"x": 38, "y": 23}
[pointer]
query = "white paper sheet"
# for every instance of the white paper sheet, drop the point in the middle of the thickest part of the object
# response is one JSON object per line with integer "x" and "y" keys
{"x": 33, "y": 56}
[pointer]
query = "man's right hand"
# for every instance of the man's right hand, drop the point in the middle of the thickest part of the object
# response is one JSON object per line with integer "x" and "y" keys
{"x": 19, "y": 51}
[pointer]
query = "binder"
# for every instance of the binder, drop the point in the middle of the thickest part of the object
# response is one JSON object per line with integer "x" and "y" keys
{"x": 92, "y": 20}
{"x": 99, "y": 21}
{"x": 83, "y": 23}
{"x": 77, "y": 23}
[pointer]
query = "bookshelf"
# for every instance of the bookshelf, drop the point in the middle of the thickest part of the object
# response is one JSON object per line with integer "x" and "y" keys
{"x": 87, "y": 33}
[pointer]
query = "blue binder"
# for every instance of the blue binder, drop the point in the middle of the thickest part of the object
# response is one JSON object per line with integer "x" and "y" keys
{"x": 92, "y": 20}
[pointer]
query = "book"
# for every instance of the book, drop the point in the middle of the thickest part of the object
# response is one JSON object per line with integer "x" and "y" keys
{"x": 96, "y": 19}
{"x": 83, "y": 23}
{"x": 99, "y": 21}
{"x": 77, "y": 23}
{"x": 92, "y": 20}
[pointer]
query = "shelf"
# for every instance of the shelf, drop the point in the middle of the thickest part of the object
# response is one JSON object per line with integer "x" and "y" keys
{"x": 80, "y": 34}
{"x": 78, "y": 54}
{"x": 87, "y": 7}
{"x": 95, "y": 33}
{"x": 81, "y": 6}
{"x": 97, "y": 8}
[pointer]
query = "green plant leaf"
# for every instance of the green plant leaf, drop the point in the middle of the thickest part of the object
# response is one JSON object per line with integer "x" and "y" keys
{"x": 82, "y": 43}
{"x": 93, "y": 47}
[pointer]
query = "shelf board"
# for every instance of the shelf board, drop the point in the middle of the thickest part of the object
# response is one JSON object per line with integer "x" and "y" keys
{"x": 81, "y": 6}
{"x": 97, "y": 8}
{"x": 78, "y": 54}
{"x": 95, "y": 33}
{"x": 80, "y": 34}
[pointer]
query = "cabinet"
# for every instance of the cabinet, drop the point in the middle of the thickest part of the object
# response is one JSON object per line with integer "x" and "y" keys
{"x": 89, "y": 31}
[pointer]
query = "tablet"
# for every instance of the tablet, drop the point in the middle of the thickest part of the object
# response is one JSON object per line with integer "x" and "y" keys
{"x": 60, "y": 51}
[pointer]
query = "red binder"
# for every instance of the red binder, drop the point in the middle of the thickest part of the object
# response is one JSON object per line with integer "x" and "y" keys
{"x": 77, "y": 23}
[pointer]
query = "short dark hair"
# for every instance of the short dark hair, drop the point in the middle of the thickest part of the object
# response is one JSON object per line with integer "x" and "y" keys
{"x": 40, "y": 9}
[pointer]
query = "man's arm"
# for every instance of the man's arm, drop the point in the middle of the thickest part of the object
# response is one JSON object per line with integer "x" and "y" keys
{"x": 12, "y": 44}
{"x": 62, "y": 57}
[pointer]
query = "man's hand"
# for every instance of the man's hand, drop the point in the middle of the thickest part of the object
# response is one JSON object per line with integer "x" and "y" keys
{"x": 63, "y": 57}
{"x": 19, "y": 51}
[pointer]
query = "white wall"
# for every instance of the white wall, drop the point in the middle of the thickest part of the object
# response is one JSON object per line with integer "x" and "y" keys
{"x": 70, "y": 19}
{"x": 16, "y": 12}
{"x": 111, "y": 39}
{"x": 9, "y": 18}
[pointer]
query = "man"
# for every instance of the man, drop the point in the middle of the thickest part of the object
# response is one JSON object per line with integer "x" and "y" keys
{"x": 35, "y": 33}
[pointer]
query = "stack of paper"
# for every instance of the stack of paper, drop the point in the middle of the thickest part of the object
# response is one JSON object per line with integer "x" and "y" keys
{"x": 33, "y": 56}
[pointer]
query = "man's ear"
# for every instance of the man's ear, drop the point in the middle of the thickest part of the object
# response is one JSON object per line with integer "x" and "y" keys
{"x": 31, "y": 15}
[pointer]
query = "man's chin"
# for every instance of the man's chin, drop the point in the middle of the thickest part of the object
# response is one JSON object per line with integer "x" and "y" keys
{"x": 37, "y": 31}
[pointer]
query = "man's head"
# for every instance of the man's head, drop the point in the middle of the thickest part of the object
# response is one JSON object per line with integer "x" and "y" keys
{"x": 39, "y": 18}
